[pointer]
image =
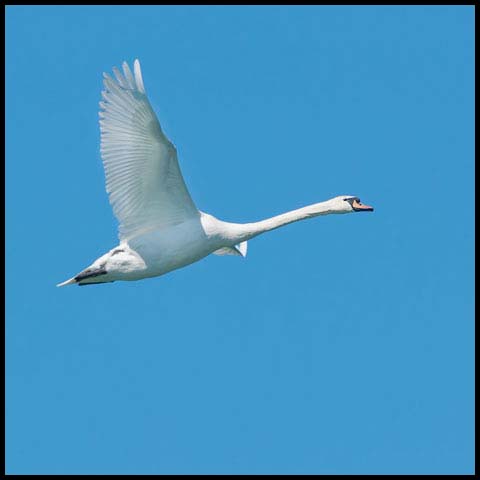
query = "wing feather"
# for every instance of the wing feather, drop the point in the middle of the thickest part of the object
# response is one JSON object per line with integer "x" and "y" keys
{"x": 143, "y": 179}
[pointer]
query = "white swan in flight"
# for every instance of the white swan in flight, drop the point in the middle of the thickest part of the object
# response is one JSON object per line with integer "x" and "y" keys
{"x": 160, "y": 228}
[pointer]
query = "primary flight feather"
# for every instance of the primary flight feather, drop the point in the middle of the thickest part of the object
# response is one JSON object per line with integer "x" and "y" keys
{"x": 160, "y": 228}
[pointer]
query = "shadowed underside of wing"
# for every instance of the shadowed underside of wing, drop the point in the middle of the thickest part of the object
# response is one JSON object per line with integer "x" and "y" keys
{"x": 143, "y": 179}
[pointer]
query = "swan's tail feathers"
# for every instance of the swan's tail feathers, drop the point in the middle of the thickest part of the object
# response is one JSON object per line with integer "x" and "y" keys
{"x": 68, "y": 282}
{"x": 87, "y": 274}
{"x": 239, "y": 250}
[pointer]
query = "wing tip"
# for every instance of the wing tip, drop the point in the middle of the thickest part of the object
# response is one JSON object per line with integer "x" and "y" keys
{"x": 127, "y": 80}
{"x": 138, "y": 75}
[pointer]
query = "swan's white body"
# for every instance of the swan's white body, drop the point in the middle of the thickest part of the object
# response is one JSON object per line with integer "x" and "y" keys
{"x": 160, "y": 227}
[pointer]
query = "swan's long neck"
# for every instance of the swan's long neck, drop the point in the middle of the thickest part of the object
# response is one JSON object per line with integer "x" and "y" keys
{"x": 250, "y": 230}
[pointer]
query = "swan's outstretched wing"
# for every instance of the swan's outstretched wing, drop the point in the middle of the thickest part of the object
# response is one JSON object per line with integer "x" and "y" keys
{"x": 143, "y": 180}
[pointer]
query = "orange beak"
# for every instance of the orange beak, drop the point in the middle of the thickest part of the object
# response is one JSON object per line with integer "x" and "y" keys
{"x": 361, "y": 207}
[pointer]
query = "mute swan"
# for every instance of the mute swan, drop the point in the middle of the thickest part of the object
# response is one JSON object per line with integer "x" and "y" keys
{"x": 160, "y": 229}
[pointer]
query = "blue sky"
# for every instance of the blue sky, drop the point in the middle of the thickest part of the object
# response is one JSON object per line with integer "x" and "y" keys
{"x": 342, "y": 344}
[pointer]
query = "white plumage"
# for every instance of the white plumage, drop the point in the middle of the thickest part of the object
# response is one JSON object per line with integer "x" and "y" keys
{"x": 160, "y": 228}
{"x": 143, "y": 179}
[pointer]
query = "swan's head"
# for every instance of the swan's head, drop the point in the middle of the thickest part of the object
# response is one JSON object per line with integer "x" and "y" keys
{"x": 349, "y": 203}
